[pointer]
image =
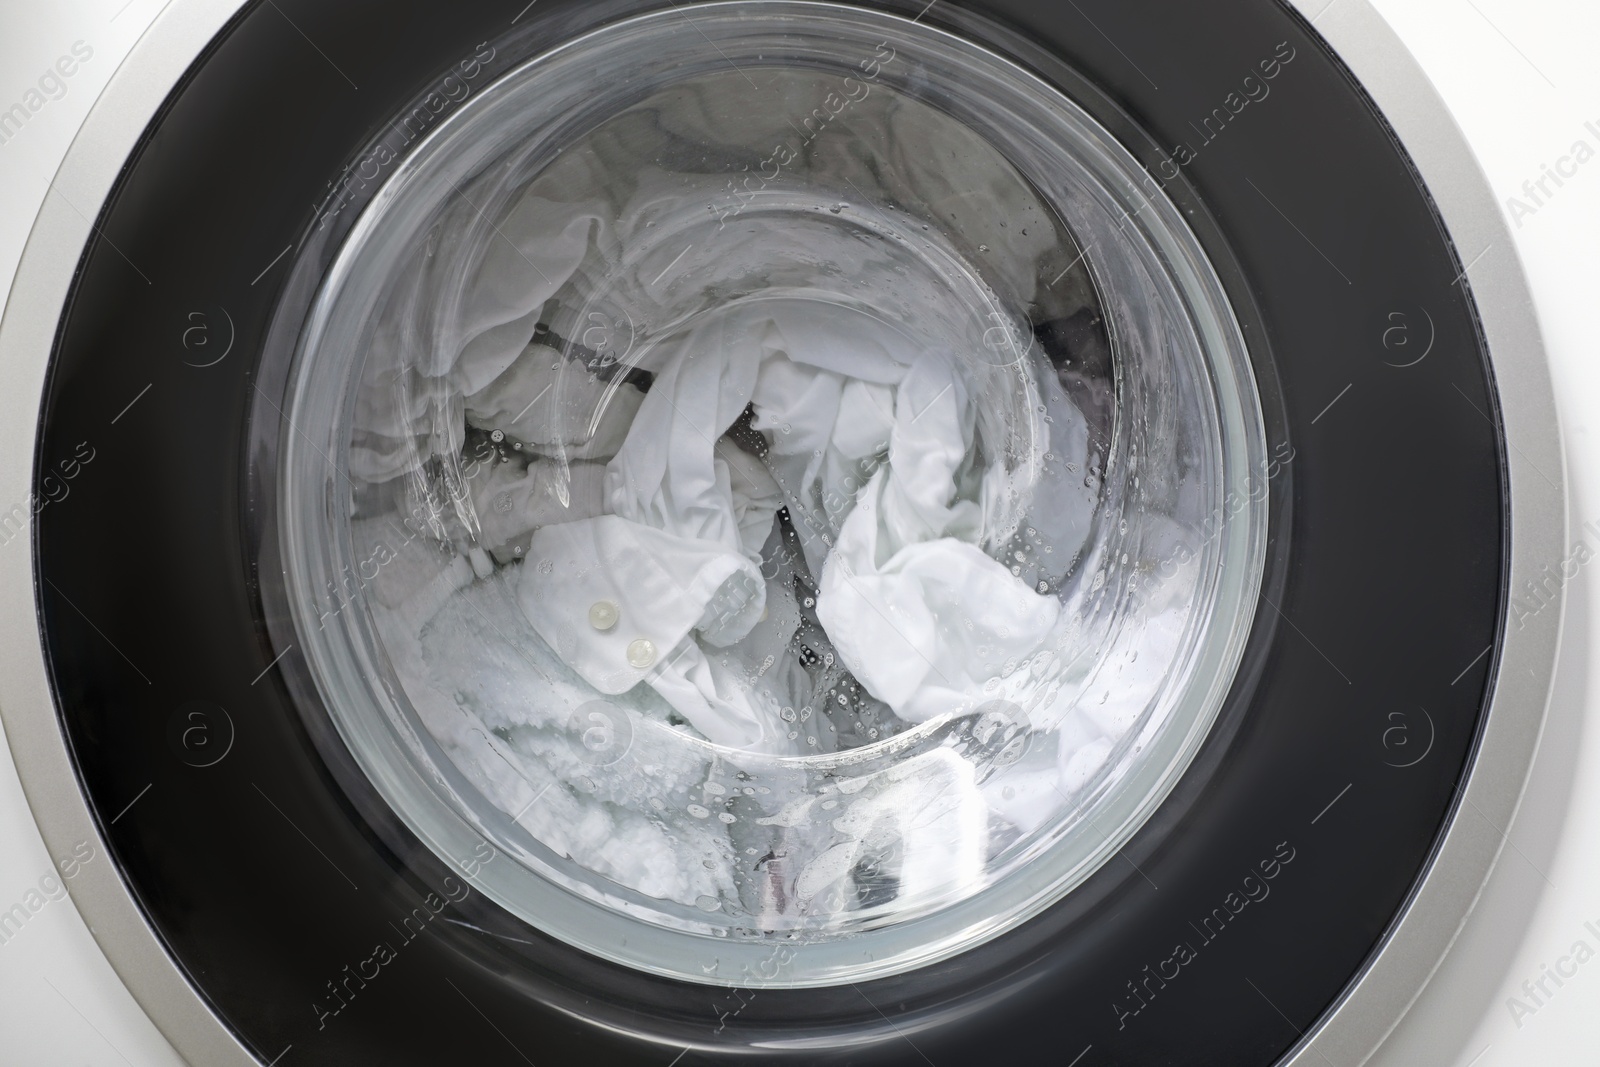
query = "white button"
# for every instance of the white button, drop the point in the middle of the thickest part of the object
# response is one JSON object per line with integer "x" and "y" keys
{"x": 603, "y": 615}
{"x": 641, "y": 653}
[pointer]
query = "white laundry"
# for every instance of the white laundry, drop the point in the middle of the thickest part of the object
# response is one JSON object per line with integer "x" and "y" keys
{"x": 921, "y": 614}
{"x": 481, "y": 288}
{"x": 633, "y": 504}
{"x": 500, "y": 706}
{"x": 874, "y": 446}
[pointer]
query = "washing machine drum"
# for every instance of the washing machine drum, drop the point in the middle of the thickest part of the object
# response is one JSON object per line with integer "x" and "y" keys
{"x": 770, "y": 531}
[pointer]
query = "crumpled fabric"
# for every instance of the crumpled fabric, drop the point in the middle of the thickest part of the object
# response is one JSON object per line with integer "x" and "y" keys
{"x": 891, "y": 494}
{"x": 463, "y": 310}
{"x": 897, "y": 501}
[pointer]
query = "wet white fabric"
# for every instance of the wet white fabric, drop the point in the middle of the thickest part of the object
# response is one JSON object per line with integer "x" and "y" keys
{"x": 483, "y": 297}
{"x": 919, "y": 612}
{"x": 851, "y": 409}
{"x": 500, "y": 703}
{"x": 923, "y": 617}
{"x": 633, "y": 497}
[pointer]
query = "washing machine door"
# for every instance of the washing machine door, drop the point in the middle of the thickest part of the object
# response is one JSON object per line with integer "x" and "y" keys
{"x": 770, "y": 530}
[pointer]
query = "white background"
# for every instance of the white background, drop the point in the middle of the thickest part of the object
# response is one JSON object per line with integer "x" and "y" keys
{"x": 1521, "y": 78}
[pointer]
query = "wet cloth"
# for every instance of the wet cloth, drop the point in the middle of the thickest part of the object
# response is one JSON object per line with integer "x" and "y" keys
{"x": 872, "y": 445}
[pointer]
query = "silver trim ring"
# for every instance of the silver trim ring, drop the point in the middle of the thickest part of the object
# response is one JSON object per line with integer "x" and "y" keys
{"x": 1416, "y": 944}
{"x": 33, "y": 310}
{"x": 1536, "y": 473}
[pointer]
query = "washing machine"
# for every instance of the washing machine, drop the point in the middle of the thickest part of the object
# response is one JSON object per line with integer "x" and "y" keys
{"x": 775, "y": 531}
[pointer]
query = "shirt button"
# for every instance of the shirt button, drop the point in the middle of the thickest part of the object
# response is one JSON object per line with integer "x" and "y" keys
{"x": 603, "y": 615}
{"x": 641, "y": 654}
